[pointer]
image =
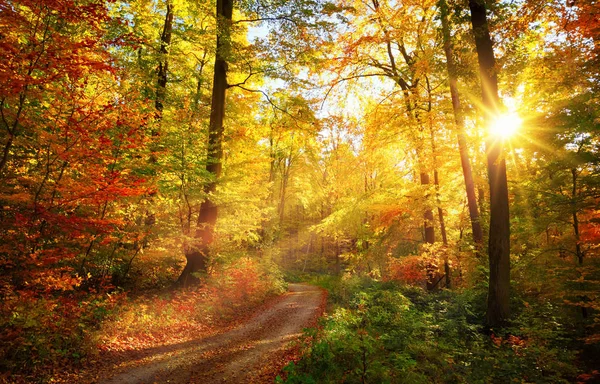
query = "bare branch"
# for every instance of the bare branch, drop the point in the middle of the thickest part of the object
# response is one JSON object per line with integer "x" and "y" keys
{"x": 349, "y": 78}
{"x": 260, "y": 19}
{"x": 275, "y": 106}
{"x": 409, "y": 60}
{"x": 242, "y": 83}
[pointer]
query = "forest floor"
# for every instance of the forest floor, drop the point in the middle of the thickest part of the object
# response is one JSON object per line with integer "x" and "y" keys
{"x": 252, "y": 351}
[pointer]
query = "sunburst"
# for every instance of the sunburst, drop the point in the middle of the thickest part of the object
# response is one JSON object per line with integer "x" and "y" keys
{"x": 506, "y": 125}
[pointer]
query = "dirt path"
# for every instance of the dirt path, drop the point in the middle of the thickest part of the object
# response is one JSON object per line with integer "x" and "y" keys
{"x": 236, "y": 356}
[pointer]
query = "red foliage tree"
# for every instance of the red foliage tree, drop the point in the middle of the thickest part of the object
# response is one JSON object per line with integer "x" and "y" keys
{"x": 71, "y": 136}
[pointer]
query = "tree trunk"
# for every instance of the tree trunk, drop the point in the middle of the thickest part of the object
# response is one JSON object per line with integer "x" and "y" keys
{"x": 578, "y": 251}
{"x": 481, "y": 199}
{"x": 411, "y": 112}
{"x": 338, "y": 264}
{"x": 436, "y": 182}
{"x": 440, "y": 210}
{"x": 428, "y": 215}
{"x": 460, "y": 131}
{"x": 161, "y": 91}
{"x": 499, "y": 236}
{"x": 284, "y": 182}
{"x": 12, "y": 131}
{"x": 6, "y": 151}
{"x": 447, "y": 270}
{"x": 198, "y": 254}
{"x": 163, "y": 63}
{"x": 436, "y": 178}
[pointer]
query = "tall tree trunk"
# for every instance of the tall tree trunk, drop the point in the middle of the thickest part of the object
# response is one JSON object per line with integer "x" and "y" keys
{"x": 430, "y": 269}
{"x": 460, "y": 131}
{"x": 409, "y": 91}
{"x": 161, "y": 91}
{"x": 322, "y": 252}
{"x": 12, "y": 131}
{"x": 163, "y": 62}
{"x": 481, "y": 199}
{"x": 200, "y": 81}
{"x": 436, "y": 182}
{"x": 285, "y": 177}
{"x": 428, "y": 215}
{"x": 425, "y": 181}
{"x": 436, "y": 178}
{"x": 338, "y": 252}
{"x": 499, "y": 236}
{"x": 283, "y": 191}
{"x": 197, "y": 255}
{"x": 578, "y": 251}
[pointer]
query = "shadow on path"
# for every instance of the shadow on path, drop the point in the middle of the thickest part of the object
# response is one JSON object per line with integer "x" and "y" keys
{"x": 234, "y": 356}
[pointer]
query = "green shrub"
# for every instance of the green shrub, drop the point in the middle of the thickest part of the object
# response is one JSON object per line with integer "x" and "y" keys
{"x": 384, "y": 333}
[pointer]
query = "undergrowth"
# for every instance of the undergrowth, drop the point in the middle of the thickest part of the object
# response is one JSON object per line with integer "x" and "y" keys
{"x": 43, "y": 334}
{"x": 385, "y": 333}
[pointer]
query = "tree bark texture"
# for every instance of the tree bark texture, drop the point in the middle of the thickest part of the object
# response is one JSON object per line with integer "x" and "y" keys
{"x": 499, "y": 236}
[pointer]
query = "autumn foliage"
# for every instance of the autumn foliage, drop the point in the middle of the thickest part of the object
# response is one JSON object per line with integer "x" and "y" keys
{"x": 351, "y": 166}
{"x": 408, "y": 270}
{"x": 231, "y": 294}
{"x": 72, "y": 139}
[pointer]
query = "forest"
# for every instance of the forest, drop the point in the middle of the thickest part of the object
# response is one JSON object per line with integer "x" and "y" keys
{"x": 424, "y": 174}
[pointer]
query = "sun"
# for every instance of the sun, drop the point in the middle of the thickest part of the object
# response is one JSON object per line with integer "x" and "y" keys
{"x": 506, "y": 125}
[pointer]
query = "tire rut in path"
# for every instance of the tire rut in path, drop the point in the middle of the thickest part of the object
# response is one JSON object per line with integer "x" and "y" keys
{"x": 236, "y": 356}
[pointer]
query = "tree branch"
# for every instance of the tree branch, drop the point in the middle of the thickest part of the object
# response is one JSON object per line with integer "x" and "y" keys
{"x": 275, "y": 106}
{"x": 350, "y": 78}
{"x": 242, "y": 83}
{"x": 260, "y": 19}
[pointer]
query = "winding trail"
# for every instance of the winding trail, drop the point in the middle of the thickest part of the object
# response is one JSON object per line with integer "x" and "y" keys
{"x": 237, "y": 356}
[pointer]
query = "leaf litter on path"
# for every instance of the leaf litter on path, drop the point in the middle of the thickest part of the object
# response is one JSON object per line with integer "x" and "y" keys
{"x": 251, "y": 352}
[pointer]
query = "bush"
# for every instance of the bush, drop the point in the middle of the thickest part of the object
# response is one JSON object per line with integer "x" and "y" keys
{"x": 390, "y": 334}
{"x": 243, "y": 283}
{"x": 38, "y": 331}
{"x": 43, "y": 331}
{"x": 232, "y": 289}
